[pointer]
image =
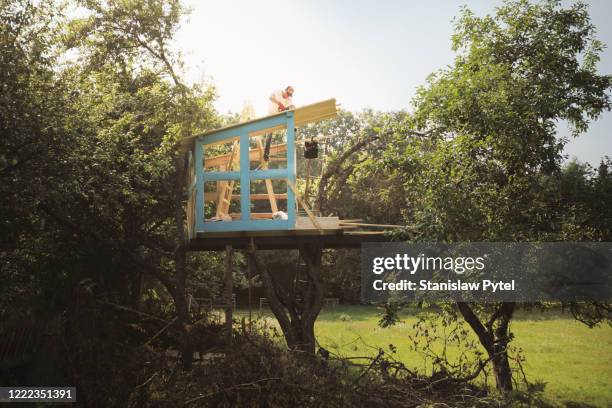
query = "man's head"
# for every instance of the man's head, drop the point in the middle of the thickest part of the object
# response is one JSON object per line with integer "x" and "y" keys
{"x": 288, "y": 92}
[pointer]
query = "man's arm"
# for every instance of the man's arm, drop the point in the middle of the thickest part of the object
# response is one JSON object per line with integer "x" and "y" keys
{"x": 273, "y": 99}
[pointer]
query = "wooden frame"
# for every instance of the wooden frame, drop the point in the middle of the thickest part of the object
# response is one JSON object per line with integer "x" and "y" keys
{"x": 240, "y": 135}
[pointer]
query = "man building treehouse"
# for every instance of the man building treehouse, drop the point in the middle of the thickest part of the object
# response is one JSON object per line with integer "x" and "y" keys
{"x": 280, "y": 100}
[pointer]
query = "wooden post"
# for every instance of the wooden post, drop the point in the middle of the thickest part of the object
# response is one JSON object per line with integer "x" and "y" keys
{"x": 228, "y": 290}
{"x": 251, "y": 268}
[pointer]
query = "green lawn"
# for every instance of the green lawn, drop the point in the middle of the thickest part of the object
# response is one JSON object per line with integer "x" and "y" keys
{"x": 574, "y": 361}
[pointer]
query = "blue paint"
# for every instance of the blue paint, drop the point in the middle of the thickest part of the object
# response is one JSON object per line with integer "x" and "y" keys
{"x": 239, "y": 130}
{"x": 199, "y": 171}
{"x": 251, "y": 225}
{"x": 245, "y": 175}
{"x": 193, "y": 182}
{"x": 245, "y": 181}
{"x": 268, "y": 174}
{"x": 291, "y": 168}
{"x": 223, "y": 175}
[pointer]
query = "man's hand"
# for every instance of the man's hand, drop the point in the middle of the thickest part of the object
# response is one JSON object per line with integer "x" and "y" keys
{"x": 281, "y": 107}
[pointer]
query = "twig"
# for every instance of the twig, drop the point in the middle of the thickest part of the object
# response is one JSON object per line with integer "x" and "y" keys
{"x": 161, "y": 331}
{"x": 254, "y": 383}
{"x": 146, "y": 382}
{"x": 128, "y": 309}
{"x": 372, "y": 364}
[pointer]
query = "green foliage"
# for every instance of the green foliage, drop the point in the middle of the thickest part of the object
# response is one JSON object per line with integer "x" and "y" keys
{"x": 390, "y": 314}
{"x": 357, "y": 187}
{"x": 560, "y": 351}
{"x": 491, "y": 120}
{"x": 95, "y": 107}
{"x": 490, "y": 168}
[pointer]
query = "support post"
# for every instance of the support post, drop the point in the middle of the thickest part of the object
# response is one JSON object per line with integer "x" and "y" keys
{"x": 245, "y": 178}
{"x": 228, "y": 291}
{"x": 291, "y": 168}
{"x": 251, "y": 267}
{"x": 199, "y": 186}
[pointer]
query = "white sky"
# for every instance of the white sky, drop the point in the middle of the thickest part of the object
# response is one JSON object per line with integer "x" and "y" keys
{"x": 363, "y": 53}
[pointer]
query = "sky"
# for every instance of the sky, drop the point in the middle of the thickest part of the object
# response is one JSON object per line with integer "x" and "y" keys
{"x": 366, "y": 54}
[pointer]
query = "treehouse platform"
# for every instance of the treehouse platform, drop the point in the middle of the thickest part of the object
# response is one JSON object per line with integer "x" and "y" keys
{"x": 242, "y": 186}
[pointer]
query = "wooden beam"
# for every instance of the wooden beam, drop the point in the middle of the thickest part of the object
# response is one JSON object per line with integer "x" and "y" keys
{"x": 213, "y": 196}
{"x": 326, "y": 223}
{"x": 307, "y": 114}
{"x": 305, "y": 206}
{"x": 260, "y": 197}
{"x": 361, "y": 224}
{"x": 253, "y": 155}
{"x": 303, "y": 115}
{"x": 254, "y": 216}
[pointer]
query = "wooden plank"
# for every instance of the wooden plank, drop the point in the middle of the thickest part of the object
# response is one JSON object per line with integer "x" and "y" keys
{"x": 257, "y": 216}
{"x": 212, "y": 196}
{"x": 254, "y": 155}
{"x": 271, "y": 233}
{"x": 315, "y": 112}
{"x": 303, "y": 113}
{"x": 361, "y": 224}
{"x": 304, "y": 206}
{"x": 259, "y": 197}
{"x": 365, "y": 233}
{"x": 307, "y": 114}
{"x": 224, "y": 141}
{"x": 326, "y": 223}
{"x": 266, "y": 131}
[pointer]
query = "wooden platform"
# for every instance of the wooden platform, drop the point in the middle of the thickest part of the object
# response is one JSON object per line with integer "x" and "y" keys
{"x": 284, "y": 239}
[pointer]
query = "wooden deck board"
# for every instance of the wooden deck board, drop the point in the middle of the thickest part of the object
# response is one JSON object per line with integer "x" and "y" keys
{"x": 285, "y": 239}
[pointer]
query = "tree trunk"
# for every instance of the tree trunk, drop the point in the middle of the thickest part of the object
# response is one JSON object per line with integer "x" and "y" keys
{"x": 502, "y": 372}
{"x": 180, "y": 260}
{"x": 494, "y": 340}
{"x": 296, "y": 319}
{"x": 308, "y": 340}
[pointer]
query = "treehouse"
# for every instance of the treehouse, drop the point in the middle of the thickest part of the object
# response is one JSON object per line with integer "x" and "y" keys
{"x": 233, "y": 190}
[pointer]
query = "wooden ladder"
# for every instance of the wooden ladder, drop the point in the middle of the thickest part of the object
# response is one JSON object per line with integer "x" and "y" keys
{"x": 227, "y": 188}
{"x": 264, "y": 166}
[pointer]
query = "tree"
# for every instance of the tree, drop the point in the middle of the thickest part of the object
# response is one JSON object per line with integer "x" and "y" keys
{"x": 295, "y": 297}
{"x": 492, "y": 119}
{"x": 33, "y": 142}
{"x": 89, "y": 152}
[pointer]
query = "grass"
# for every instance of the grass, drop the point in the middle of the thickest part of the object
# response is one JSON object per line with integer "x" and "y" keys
{"x": 573, "y": 360}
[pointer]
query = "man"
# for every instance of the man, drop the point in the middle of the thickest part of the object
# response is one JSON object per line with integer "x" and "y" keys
{"x": 280, "y": 101}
